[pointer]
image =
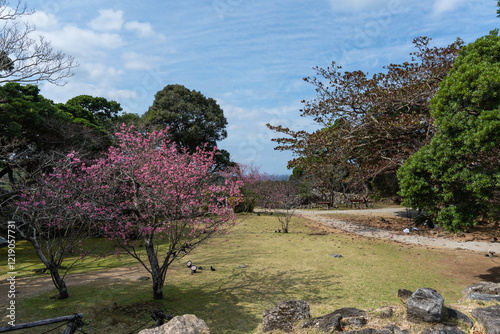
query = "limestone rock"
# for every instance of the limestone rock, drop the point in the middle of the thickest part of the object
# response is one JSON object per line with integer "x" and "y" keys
{"x": 384, "y": 312}
{"x": 404, "y": 295}
{"x": 484, "y": 297}
{"x": 186, "y": 324}
{"x": 350, "y": 312}
{"x": 457, "y": 315}
{"x": 489, "y": 317}
{"x": 325, "y": 323}
{"x": 441, "y": 329}
{"x": 284, "y": 315}
{"x": 425, "y": 305}
{"x": 483, "y": 287}
{"x": 395, "y": 330}
{"x": 357, "y": 321}
{"x": 387, "y": 330}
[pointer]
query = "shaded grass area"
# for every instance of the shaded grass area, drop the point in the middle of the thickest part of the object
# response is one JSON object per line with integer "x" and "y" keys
{"x": 277, "y": 266}
{"x": 28, "y": 264}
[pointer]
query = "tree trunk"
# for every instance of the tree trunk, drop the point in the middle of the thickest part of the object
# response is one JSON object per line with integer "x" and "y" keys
{"x": 156, "y": 273}
{"x": 53, "y": 269}
{"x": 58, "y": 282}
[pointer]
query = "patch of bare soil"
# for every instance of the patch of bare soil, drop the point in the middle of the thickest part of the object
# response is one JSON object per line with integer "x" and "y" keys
{"x": 29, "y": 287}
{"x": 396, "y": 220}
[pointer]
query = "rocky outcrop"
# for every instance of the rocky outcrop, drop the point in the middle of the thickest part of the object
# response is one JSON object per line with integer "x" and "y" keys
{"x": 425, "y": 305}
{"x": 284, "y": 315}
{"x": 404, "y": 295}
{"x": 186, "y": 324}
{"x": 327, "y": 323}
{"x": 489, "y": 317}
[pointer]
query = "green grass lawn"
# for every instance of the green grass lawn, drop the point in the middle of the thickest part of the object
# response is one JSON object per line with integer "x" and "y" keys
{"x": 289, "y": 266}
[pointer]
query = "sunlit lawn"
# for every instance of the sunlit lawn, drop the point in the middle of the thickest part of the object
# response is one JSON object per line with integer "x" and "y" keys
{"x": 231, "y": 299}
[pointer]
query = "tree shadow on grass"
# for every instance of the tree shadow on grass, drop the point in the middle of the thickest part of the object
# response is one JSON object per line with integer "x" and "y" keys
{"x": 493, "y": 275}
{"x": 231, "y": 305}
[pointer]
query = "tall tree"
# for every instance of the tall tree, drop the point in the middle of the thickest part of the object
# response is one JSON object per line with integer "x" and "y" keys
{"x": 194, "y": 121}
{"x": 370, "y": 125}
{"x": 457, "y": 175}
{"x": 24, "y": 59}
{"x": 97, "y": 110}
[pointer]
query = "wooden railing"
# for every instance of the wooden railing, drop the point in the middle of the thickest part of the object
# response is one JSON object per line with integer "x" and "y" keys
{"x": 74, "y": 321}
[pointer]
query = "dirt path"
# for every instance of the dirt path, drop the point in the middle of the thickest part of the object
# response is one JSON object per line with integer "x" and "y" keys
{"x": 328, "y": 218}
{"x": 28, "y": 287}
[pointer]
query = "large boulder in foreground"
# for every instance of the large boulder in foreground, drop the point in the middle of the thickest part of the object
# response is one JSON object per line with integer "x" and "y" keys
{"x": 186, "y": 324}
{"x": 489, "y": 317}
{"x": 425, "y": 305}
{"x": 284, "y": 315}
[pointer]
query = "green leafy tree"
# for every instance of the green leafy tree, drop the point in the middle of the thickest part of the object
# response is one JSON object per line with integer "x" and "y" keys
{"x": 33, "y": 130}
{"x": 95, "y": 110}
{"x": 194, "y": 121}
{"x": 456, "y": 176}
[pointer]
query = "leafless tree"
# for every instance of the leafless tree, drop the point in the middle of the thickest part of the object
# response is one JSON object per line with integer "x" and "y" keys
{"x": 23, "y": 58}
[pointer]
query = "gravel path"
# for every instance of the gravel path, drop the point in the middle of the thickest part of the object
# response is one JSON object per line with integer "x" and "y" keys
{"x": 372, "y": 232}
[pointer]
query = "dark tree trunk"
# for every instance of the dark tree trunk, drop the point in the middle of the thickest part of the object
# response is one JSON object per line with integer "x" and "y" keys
{"x": 53, "y": 269}
{"x": 156, "y": 273}
{"x": 58, "y": 282}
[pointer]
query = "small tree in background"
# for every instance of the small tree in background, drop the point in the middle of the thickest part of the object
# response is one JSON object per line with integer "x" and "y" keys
{"x": 51, "y": 216}
{"x": 146, "y": 192}
{"x": 284, "y": 198}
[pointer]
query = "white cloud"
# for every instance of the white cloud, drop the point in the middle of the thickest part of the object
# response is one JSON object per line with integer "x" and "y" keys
{"x": 101, "y": 72}
{"x": 441, "y": 6}
{"x": 108, "y": 20}
{"x": 142, "y": 29}
{"x": 42, "y": 20}
{"x": 356, "y": 4}
{"x": 84, "y": 42}
{"x": 137, "y": 61}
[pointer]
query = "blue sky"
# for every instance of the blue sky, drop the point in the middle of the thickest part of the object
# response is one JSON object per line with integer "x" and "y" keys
{"x": 249, "y": 55}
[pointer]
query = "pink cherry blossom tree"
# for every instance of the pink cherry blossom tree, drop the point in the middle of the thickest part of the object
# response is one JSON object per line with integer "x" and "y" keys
{"x": 51, "y": 215}
{"x": 148, "y": 193}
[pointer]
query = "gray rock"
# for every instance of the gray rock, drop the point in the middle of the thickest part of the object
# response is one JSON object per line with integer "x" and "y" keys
{"x": 395, "y": 329}
{"x": 284, "y": 315}
{"x": 457, "y": 315}
{"x": 363, "y": 331}
{"x": 404, "y": 295}
{"x": 489, "y": 318}
{"x": 483, "y": 287}
{"x": 425, "y": 305}
{"x": 242, "y": 266}
{"x": 186, "y": 324}
{"x": 374, "y": 331}
{"x": 357, "y": 321}
{"x": 142, "y": 278}
{"x": 349, "y": 312}
{"x": 384, "y": 312}
{"x": 441, "y": 329}
{"x": 336, "y": 255}
{"x": 484, "y": 297}
{"x": 326, "y": 323}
